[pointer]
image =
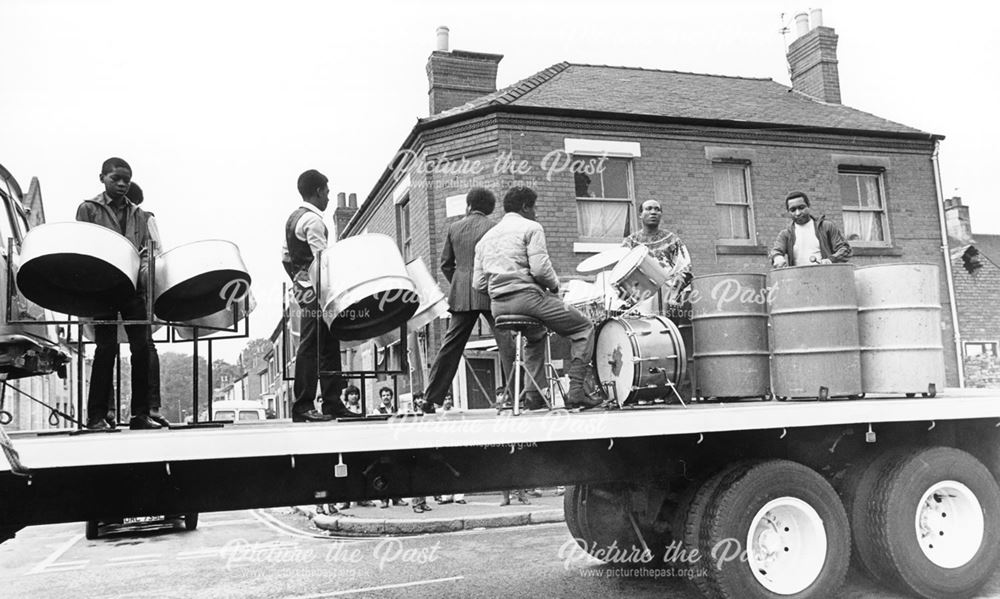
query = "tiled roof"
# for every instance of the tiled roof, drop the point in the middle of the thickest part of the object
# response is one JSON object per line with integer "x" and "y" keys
{"x": 675, "y": 94}
{"x": 988, "y": 245}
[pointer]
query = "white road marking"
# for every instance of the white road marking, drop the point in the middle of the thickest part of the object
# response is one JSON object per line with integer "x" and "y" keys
{"x": 130, "y": 558}
{"x": 210, "y": 524}
{"x": 401, "y": 585}
{"x": 51, "y": 559}
{"x": 279, "y": 526}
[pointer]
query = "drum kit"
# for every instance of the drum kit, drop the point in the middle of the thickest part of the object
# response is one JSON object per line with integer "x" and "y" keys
{"x": 639, "y": 355}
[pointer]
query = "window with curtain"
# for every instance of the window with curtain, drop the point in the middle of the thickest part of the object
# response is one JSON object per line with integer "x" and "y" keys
{"x": 604, "y": 200}
{"x": 862, "y": 196}
{"x": 733, "y": 201}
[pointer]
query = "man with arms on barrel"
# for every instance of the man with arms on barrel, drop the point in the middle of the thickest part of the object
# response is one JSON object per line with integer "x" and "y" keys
{"x": 807, "y": 240}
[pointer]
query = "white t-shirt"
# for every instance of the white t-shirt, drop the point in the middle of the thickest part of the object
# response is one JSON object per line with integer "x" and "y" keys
{"x": 806, "y": 244}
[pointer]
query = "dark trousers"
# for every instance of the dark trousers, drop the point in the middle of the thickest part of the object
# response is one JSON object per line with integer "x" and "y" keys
{"x": 144, "y": 359}
{"x": 450, "y": 354}
{"x": 318, "y": 350}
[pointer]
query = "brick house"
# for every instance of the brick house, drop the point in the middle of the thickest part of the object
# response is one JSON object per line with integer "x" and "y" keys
{"x": 720, "y": 153}
{"x": 976, "y": 271}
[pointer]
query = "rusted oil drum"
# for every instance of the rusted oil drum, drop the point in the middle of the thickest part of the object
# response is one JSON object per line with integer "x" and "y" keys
{"x": 77, "y": 268}
{"x": 815, "y": 351}
{"x": 365, "y": 289}
{"x": 433, "y": 302}
{"x": 899, "y": 322}
{"x": 729, "y": 318}
{"x": 197, "y": 279}
{"x": 680, "y": 315}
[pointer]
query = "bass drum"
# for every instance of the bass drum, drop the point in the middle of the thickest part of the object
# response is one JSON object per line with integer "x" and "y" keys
{"x": 639, "y": 357}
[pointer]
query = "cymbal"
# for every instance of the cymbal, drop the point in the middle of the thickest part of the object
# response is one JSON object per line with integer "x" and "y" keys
{"x": 602, "y": 261}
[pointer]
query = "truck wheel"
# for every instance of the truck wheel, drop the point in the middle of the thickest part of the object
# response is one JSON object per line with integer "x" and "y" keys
{"x": 93, "y": 530}
{"x": 571, "y": 514}
{"x": 935, "y": 522}
{"x": 791, "y": 525}
{"x": 191, "y": 521}
{"x": 856, "y": 490}
{"x": 604, "y": 523}
{"x": 689, "y": 518}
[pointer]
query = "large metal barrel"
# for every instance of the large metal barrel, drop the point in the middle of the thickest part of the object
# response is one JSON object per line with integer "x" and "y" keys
{"x": 729, "y": 321}
{"x": 899, "y": 321}
{"x": 433, "y": 302}
{"x": 365, "y": 289}
{"x": 77, "y": 268}
{"x": 815, "y": 351}
{"x": 680, "y": 315}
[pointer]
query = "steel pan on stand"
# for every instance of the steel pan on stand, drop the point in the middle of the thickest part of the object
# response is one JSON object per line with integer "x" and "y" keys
{"x": 365, "y": 289}
{"x": 433, "y": 301}
{"x": 77, "y": 268}
{"x": 222, "y": 322}
{"x": 199, "y": 279}
{"x": 815, "y": 347}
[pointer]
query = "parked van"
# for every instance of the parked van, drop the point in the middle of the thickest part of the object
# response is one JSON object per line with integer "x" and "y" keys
{"x": 239, "y": 410}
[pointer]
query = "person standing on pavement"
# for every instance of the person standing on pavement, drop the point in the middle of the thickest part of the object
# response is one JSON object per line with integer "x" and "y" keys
{"x": 305, "y": 238}
{"x": 465, "y": 303}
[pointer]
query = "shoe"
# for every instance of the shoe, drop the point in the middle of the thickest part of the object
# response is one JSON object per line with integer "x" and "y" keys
{"x": 461, "y": 501}
{"x": 384, "y": 505}
{"x": 504, "y": 502}
{"x": 143, "y": 422}
{"x": 428, "y": 407}
{"x": 159, "y": 420}
{"x": 311, "y": 416}
{"x": 400, "y": 502}
{"x": 444, "y": 501}
{"x": 535, "y": 492}
{"x": 99, "y": 425}
{"x": 366, "y": 504}
{"x": 420, "y": 508}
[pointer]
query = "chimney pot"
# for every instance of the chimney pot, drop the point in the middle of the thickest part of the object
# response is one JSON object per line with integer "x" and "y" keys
{"x": 352, "y": 201}
{"x": 801, "y": 24}
{"x": 816, "y": 17}
{"x": 341, "y": 199}
{"x": 442, "y": 39}
{"x": 812, "y": 62}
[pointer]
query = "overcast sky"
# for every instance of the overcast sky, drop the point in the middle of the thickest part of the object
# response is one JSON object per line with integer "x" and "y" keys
{"x": 219, "y": 106}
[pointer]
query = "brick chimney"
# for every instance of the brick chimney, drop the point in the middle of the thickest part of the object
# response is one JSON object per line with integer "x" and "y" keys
{"x": 812, "y": 58}
{"x": 956, "y": 217}
{"x": 347, "y": 205}
{"x": 456, "y": 77}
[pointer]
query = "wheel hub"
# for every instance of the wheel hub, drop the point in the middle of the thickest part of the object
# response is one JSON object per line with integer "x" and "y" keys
{"x": 949, "y": 524}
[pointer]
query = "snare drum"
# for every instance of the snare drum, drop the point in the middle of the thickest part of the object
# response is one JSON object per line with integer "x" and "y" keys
{"x": 640, "y": 356}
{"x": 638, "y": 276}
{"x": 587, "y": 298}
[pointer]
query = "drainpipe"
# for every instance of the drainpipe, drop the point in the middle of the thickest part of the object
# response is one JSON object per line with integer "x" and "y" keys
{"x": 947, "y": 263}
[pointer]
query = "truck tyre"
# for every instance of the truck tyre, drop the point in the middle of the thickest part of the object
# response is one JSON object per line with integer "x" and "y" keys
{"x": 689, "y": 517}
{"x": 191, "y": 521}
{"x": 856, "y": 489}
{"x": 93, "y": 530}
{"x": 571, "y": 514}
{"x": 935, "y": 522}
{"x": 791, "y": 525}
{"x": 604, "y": 523}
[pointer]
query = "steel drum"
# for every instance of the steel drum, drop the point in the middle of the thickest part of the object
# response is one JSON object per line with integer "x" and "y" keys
{"x": 899, "y": 320}
{"x": 729, "y": 320}
{"x": 198, "y": 279}
{"x": 222, "y": 322}
{"x": 640, "y": 356}
{"x": 365, "y": 289}
{"x": 815, "y": 348}
{"x": 433, "y": 302}
{"x": 638, "y": 276}
{"x": 77, "y": 268}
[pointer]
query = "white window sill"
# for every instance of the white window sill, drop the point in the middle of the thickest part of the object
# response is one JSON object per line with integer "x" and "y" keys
{"x": 582, "y": 247}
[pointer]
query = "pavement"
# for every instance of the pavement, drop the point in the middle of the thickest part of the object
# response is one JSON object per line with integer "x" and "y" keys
{"x": 480, "y": 511}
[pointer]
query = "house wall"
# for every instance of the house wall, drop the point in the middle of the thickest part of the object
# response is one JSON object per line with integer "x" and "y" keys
{"x": 979, "y": 317}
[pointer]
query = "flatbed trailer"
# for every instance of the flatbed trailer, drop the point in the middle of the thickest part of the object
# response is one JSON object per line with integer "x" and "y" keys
{"x": 792, "y": 483}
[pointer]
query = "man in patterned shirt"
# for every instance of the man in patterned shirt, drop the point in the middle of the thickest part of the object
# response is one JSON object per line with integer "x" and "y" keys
{"x": 666, "y": 247}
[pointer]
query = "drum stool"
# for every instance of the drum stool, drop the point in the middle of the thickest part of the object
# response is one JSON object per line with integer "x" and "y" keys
{"x": 519, "y": 324}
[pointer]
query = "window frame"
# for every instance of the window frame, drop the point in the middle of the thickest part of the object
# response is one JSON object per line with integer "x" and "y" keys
{"x": 630, "y": 201}
{"x": 995, "y": 353}
{"x": 404, "y": 228}
{"x": 751, "y": 239}
{"x": 879, "y": 174}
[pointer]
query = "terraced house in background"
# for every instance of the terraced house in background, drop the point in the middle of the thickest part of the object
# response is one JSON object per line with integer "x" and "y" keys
{"x": 720, "y": 153}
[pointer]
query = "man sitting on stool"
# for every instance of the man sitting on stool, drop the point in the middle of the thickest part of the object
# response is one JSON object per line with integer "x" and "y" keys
{"x": 512, "y": 264}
